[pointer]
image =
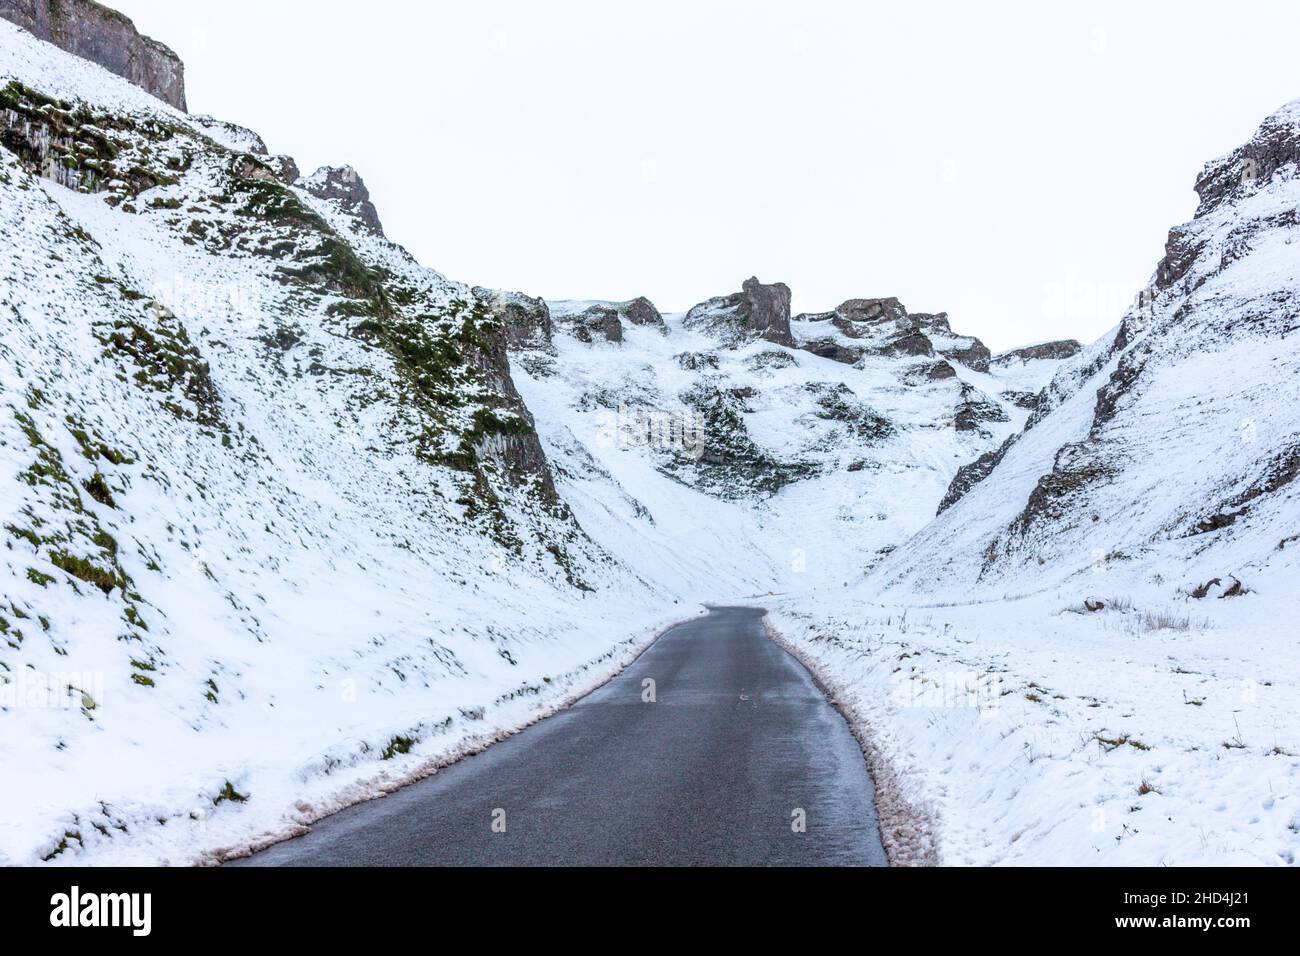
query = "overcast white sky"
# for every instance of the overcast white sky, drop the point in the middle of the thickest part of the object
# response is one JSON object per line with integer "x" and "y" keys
{"x": 1017, "y": 165}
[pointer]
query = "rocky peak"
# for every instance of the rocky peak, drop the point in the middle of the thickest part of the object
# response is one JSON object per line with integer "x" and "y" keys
{"x": 526, "y": 321}
{"x": 1223, "y": 184}
{"x": 607, "y": 319}
{"x": 641, "y": 311}
{"x": 757, "y": 311}
{"x": 884, "y": 327}
{"x": 594, "y": 321}
{"x": 96, "y": 33}
{"x": 870, "y": 310}
{"x": 1050, "y": 351}
{"x": 1275, "y": 144}
{"x": 343, "y": 185}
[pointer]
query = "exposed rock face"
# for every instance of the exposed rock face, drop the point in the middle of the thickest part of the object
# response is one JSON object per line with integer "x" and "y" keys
{"x": 838, "y": 403}
{"x": 1111, "y": 457}
{"x": 975, "y": 411}
{"x": 526, "y": 321}
{"x": 591, "y": 321}
{"x": 1229, "y": 180}
{"x": 927, "y": 372}
{"x": 1052, "y": 351}
{"x": 730, "y": 464}
{"x": 1275, "y": 144}
{"x": 757, "y": 311}
{"x": 286, "y": 170}
{"x": 519, "y": 448}
{"x": 96, "y": 33}
{"x": 909, "y": 343}
{"x": 883, "y": 327}
{"x": 599, "y": 321}
{"x": 968, "y": 476}
{"x": 966, "y": 349}
{"x": 1026, "y": 400}
{"x": 833, "y": 350}
{"x": 343, "y": 185}
{"x": 62, "y": 142}
{"x": 642, "y": 311}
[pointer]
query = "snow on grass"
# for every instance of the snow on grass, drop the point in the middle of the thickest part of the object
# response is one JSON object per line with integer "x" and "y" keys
{"x": 242, "y": 588}
{"x": 235, "y": 592}
{"x": 1034, "y": 732}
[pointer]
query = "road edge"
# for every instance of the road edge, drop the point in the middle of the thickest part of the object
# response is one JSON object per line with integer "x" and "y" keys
{"x": 906, "y": 830}
{"x": 378, "y": 787}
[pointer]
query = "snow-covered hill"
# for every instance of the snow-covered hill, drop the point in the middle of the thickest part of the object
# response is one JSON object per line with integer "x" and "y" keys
{"x": 730, "y": 438}
{"x": 273, "y": 513}
{"x": 1088, "y": 657}
{"x": 290, "y": 519}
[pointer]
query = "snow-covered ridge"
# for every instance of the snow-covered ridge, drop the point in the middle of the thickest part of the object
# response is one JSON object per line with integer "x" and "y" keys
{"x": 106, "y": 37}
{"x": 797, "y": 467}
{"x": 1088, "y": 656}
{"x": 290, "y": 519}
{"x": 1169, "y": 446}
{"x": 278, "y": 531}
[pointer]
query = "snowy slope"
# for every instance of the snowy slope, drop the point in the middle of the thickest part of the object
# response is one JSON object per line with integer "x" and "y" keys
{"x": 1089, "y": 657}
{"x": 273, "y": 514}
{"x": 1172, "y": 444}
{"x": 290, "y": 519}
{"x": 764, "y": 465}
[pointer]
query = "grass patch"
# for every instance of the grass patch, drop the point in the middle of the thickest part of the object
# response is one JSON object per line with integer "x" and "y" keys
{"x": 229, "y": 794}
{"x": 37, "y": 578}
{"x": 97, "y": 488}
{"x": 398, "y": 745}
{"x": 84, "y": 570}
{"x": 1170, "y": 621}
{"x": 1114, "y": 743}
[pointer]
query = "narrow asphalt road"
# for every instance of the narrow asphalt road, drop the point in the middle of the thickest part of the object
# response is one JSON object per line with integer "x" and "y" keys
{"x": 737, "y": 748}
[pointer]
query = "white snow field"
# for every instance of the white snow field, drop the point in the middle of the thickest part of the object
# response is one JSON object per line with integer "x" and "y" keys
{"x": 1092, "y": 657}
{"x": 290, "y": 520}
{"x": 231, "y": 605}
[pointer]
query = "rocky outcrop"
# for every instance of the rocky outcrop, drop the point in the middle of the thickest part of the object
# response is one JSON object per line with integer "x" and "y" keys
{"x": 344, "y": 186}
{"x": 729, "y": 463}
{"x": 1046, "y": 351}
{"x": 883, "y": 327}
{"x": 1227, "y": 181}
{"x": 1275, "y": 144}
{"x": 837, "y": 402}
{"x": 927, "y": 372}
{"x": 968, "y": 476}
{"x": 641, "y": 311}
{"x": 758, "y": 311}
{"x": 285, "y": 169}
{"x": 96, "y": 33}
{"x": 834, "y": 350}
{"x": 525, "y": 321}
{"x": 1025, "y": 400}
{"x": 592, "y": 321}
{"x": 975, "y": 411}
{"x": 853, "y": 314}
{"x": 911, "y": 342}
{"x": 596, "y": 322}
{"x": 516, "y": 445}
{"x": 966, "y": 349}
